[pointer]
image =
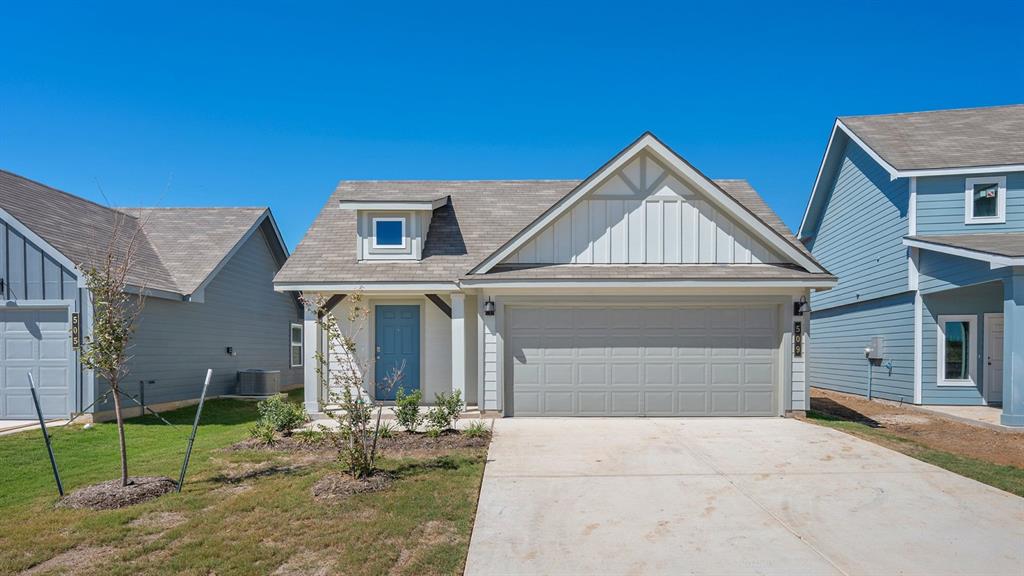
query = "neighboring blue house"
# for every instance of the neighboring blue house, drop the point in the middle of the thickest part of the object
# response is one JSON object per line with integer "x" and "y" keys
{"x": 921, "y": 217}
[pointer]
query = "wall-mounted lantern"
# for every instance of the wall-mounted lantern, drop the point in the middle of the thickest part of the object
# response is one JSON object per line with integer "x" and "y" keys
{"x": 489, "y": 307}
{"x": 802, "y": 307}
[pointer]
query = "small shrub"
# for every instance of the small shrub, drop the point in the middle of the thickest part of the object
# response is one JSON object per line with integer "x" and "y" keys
{"x": 282, "y": 415}
{"x": 312, "y": 436}
{"x": 434, "y": 432}
{"x": 387, "y": 430}
{"x": 477, "y": 429}
{"x": 407, "y": 409}
{"x": 263, "y": 432}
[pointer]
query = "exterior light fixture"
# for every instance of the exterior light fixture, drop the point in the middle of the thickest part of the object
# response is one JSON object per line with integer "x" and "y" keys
{"x": 489, "y": 307}
{"x": 802, "y": 307}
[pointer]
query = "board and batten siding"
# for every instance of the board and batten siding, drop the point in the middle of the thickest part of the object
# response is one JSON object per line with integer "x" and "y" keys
{"x": 643, "y": 215}
{"x": 29, "y": 273}
{"x": 840, "y": 336}
{"x": 176, "y": 342}
{"x": 941, "y": 206}
{"x": 973, "y": 300}
{"x": 859, "y": 237}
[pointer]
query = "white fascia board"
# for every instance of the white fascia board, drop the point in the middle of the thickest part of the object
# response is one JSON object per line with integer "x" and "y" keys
{"x": 893, "y": 172}
{"x": 347, "y": 288}
{"x": 682, "y": 168}
{"x": 996, "y": 260}
{"x": 43, "y": 244}
{"x": 621, "y": 284}
{"x": 961, "y": 171}
{"x": 384, "y": 205}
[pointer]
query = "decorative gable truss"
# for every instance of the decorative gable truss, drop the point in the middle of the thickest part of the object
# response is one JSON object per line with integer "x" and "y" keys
{"x": 642, "y": 213}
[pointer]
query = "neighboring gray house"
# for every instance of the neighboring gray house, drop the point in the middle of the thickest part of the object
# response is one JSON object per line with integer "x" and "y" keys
{"x": 921, "y": 217}
{"x": 207, "y": 274}
{"x": 646, "y": 289}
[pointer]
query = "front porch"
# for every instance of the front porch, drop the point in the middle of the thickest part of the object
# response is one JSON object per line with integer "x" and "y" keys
{"x": 430, "y": 337}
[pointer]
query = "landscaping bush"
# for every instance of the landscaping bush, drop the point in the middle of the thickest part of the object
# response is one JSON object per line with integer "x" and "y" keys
{"x": 386, "y": 430}
{"x": 263, "y": 432}
{"x": 407, "y": 409}
{"x": 477, "y": 429}
{"x": 444, "y": 415}
{"x": 280, "y": 414}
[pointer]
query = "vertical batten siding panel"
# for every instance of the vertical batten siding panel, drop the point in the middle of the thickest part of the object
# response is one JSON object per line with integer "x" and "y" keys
{"x": 707, "y": 232}
{"x": 723, "y": 240}
{"x": 690, "y": 234}
{"x": 581, "y": 233}
{"x": 51, "y": 279}
{"x": 546, "y": 245}
{"x": 859, "y": 237}
{"x": 636, "y": 231}
{"x": 600, "y": 232}
{"x": 69, "y": 287}
{"x": 672, "y": 227}
{"x": 33, "y": 272}
{"x": 619, "y": 232}
{"x": 563, "y": 241}
{"x": 653, "y": 236}
{"x": 16, "y": 265}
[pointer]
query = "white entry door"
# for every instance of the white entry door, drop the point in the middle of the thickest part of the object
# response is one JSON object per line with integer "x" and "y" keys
{"x": 993, "y": 357}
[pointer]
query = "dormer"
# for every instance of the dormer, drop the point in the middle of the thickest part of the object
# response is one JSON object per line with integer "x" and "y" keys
{"x": 392, "y": 229}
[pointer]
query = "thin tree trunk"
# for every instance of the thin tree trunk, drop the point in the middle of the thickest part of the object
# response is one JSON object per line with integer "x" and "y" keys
{"x": 120, "y": 435}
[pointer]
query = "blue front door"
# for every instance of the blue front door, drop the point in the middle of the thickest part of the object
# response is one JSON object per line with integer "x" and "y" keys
{"x": 398, "y": 350}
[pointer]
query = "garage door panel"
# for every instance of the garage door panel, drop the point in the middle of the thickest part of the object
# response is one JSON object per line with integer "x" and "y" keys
{"x": 19, "y": 348}
{"x": 35, "y": 340}
{"x": 643, "y": 361}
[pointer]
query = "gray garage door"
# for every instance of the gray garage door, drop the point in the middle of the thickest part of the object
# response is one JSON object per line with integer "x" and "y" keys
{"x": 35, "y": 340}
{"x": 643, "y": 361}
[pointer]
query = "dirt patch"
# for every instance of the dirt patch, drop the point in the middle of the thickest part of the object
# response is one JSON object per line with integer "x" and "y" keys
{"x": 159, "y": 520}
{"x": 431, "y": 534}
{"x": 339, "y": 485}
{"x": 110, "y": 495}
{"x": 74, "y": 561}
{"x": 415, "y": 444}
{"x": 283, "y": 444}
{"x": 933, "y": 431}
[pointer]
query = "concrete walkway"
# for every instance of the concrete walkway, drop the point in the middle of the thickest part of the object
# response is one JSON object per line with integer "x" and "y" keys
{"x": 728, "y": 496}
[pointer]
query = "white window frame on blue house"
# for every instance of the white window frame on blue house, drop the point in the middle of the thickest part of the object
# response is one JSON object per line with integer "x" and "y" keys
{"x": 293, "y": 345}
{"x": 1000, "y": 216}
{"x": 400, "y": 219}
{"x": 972, "y": 349}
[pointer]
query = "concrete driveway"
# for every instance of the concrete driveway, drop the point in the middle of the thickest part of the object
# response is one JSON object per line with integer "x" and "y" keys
{"x": 728, "y": 496}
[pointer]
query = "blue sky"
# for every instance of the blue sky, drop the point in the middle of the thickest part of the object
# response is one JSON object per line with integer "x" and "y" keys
{"x": 179, "y": 104}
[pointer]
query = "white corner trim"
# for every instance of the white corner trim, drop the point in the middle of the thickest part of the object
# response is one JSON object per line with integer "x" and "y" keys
{"x": 912, "y": 208}
{"x": 918, "y": 346}
{"x": 384, "y": 205}
{"x": 972, "y": 348}
{"x": 669, "y": 157}
{"x": 50, "y": 250}
{"x": 405, "y": 231}
{"x": 996, "y": 260}
{"x": 1000, "y": 217}
{"x": 994, "y": 169}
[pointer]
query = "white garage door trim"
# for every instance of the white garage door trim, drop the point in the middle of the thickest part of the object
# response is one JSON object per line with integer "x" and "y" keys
{"x": 777, "y": 307}
{"x": 43, "y": 382}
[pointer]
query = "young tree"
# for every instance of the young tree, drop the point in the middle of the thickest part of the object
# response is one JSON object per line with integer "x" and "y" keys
{"x": 114, "y": 314}
{"x": 351, "y": 407}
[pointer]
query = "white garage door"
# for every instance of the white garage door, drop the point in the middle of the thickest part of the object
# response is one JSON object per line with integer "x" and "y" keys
{"x": 643, "y": 361}
{"x": 35, "y": 340}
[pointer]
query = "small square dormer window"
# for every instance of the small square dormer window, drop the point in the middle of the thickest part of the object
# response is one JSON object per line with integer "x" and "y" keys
{"x": 985, "y": 200}
{"x": 389, "y": 233}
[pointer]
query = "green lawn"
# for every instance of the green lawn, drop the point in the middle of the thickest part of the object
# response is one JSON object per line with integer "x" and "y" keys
{"x": 1008, "y": 478}
{"x": 225, "y": 522}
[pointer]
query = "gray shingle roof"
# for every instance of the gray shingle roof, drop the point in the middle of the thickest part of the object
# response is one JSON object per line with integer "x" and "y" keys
{"x": 178, "y": 247}
{"x": 479, "y": 219}
{"x": 961, "y": 138}
{"x": 1009, "y": 244}
{"x": 650, "y": 272}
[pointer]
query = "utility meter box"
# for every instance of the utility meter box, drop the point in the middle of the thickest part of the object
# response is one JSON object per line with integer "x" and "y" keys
{"x": 875, "y": 349}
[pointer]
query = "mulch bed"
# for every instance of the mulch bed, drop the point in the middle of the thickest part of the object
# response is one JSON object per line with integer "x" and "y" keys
{"x": 931, "y": 430}
{"x": 340, "y": 485}
{"x": 399, "y": 444}
{"x": 110, "y": 495}
{"x": 284, "y": 444}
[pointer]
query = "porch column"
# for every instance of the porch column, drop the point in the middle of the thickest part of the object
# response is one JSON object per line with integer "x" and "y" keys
{"x": 1013, "y": 349}
{"x": 310, "y": 347}
{"x": 459, "y": 343}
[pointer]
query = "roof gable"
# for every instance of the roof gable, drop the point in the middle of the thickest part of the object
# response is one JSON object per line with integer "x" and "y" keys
{"x": 626, "y": 175}
{"x": 644, "y": 214}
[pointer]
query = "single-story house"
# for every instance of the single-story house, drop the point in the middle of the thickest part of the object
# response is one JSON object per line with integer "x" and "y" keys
{"x": 207, "y": 275}
{"x": 645, "y": 289}
{"x": 921, "y": 217}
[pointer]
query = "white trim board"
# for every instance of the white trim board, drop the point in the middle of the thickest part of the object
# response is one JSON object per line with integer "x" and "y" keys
{"x": 619, "y": 284}
{"x": 972, "y": 349}
{"x": 996, "y": 260}
{"x": 649, "y": 143}
{"x": 384, "y": 205}
{"x": 986, "y": 382}
{"x": 410, "y": 287}
{"x": 1000, "y": 217}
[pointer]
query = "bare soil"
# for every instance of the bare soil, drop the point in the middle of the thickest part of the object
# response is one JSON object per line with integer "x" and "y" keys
{"x": 933, "y": 431}
{"x": 110, "y": 495}
{"x": 340, "y": 485}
